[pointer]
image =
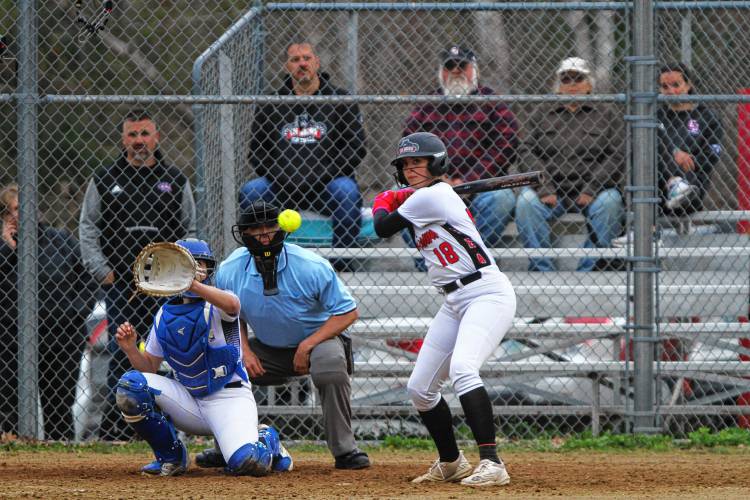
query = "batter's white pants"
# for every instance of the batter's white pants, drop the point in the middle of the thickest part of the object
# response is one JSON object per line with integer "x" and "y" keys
{"x": 466, "y": 330}
{"x": 230, "y": 415}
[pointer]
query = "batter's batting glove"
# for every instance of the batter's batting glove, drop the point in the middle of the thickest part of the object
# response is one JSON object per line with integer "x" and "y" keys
{"x": 391, "y": 200}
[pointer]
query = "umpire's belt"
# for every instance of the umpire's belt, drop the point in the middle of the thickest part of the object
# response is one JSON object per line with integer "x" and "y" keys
{"x": 459, "y": 283}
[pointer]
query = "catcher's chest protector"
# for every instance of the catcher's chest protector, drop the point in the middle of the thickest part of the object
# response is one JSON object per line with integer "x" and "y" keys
{"x": 183, "y": 331}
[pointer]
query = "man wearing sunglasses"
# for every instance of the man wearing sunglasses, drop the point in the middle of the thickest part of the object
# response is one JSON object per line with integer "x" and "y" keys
{"x": 579, "y": 146}
{"x": 481, "y": 138}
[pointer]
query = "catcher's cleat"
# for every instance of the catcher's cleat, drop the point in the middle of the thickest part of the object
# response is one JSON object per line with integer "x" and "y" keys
{"x": 152, "y": 469}
{"x": 446, "y": 472}
{"x": 210, "y": 457}
{"x": 282, "y": 462}
{"x": 488, "y": 473}
{"x": 157, "y": 468}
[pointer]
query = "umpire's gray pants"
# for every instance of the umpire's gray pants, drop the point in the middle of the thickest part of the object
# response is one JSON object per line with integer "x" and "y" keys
{"x": 328, "y": 369}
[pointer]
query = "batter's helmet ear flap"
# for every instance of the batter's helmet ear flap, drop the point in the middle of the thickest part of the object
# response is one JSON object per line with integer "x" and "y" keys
{"x": 438, "y": 164}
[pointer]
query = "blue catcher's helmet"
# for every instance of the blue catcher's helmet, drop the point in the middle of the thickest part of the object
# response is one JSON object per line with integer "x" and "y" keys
{"x": 200, "y": 250}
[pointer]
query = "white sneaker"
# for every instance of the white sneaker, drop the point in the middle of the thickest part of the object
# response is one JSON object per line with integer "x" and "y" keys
{"x": 488, "y": 473}
{"x": 446, "y": 472}
{"x": 622, "y": 241}
{"x": 678, "y": 192}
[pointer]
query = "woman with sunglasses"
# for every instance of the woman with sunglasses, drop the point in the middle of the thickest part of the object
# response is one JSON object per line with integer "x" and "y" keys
{"x": 689, "y": 144}
{"x": 579, "y": 146}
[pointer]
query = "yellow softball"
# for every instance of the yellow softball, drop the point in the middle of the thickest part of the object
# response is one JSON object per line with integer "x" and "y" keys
{"x": 142, "y": 346}
{"x": 290, "y": 220}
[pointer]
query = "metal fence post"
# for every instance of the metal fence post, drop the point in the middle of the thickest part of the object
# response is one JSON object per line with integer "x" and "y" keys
{"x": 644, "y": 198}
{"x": 352, "y": 50}
{"x": 28, "y": 313}
{"x": 686, "y": 38}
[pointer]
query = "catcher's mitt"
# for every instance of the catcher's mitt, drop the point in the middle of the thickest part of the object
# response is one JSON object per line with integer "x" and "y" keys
{"x": 164, "y": 269}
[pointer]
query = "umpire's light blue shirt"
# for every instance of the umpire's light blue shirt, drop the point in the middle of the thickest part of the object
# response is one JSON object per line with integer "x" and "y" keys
{"x": 309, "y": 294}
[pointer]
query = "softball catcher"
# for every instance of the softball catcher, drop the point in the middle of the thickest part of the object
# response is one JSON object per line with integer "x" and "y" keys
{"x": 478, "y": 310}
{"x": 197, "y": 334}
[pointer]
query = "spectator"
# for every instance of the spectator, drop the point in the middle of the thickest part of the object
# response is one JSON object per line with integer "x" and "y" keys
{"x": 579, "y": 146}
{"x": 299, "y": 312}
{"x": 306, "y": 155}
{"x": 136, "y": 200}
{"x": 65, "y": 299}
{"x": 689, "y": 144}
{"x": 481, "y": 139}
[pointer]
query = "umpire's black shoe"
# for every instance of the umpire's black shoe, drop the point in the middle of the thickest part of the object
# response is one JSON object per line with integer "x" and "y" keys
{"x": 355, "y": 459}
{"x": 210, "y": 457}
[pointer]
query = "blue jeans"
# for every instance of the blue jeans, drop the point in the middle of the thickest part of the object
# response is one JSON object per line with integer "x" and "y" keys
{"x": 492, "y": 211}
{"x": 341, "y": 201}
{"x": 603, "y": 217}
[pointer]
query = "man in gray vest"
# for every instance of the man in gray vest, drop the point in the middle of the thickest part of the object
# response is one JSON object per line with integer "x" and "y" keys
{"x": 134, "y": 201}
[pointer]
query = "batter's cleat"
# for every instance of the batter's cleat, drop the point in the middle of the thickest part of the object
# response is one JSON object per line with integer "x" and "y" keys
{"x": 487, "y": 473}
{"x": 355, "y": 459}
{"x": 446, "y": 472}
{"x": 210, "y": 457}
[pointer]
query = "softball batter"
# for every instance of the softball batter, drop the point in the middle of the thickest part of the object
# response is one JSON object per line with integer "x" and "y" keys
{"x": 478, "y": 310}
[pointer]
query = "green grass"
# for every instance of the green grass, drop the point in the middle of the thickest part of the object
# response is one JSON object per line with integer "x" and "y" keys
{"x": 727, "y": 440}
{"x": 702, "y": 439}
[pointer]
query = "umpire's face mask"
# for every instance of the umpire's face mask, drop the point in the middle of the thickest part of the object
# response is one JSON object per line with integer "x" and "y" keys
{"x": 265, "y": 242}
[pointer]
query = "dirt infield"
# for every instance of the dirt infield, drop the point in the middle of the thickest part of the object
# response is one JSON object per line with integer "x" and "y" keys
{"x": 538, "y": 475}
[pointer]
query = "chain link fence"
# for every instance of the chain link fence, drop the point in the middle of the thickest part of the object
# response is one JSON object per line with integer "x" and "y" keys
{"x": 498, "y": 82}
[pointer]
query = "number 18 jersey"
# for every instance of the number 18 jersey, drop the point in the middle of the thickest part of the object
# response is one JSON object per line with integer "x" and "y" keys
{"x": 445, "y": 234}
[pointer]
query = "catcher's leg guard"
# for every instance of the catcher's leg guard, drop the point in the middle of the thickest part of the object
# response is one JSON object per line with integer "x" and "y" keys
{"x": 136, "y": 402}
{"x": 282, "y": 460}
{"x": 250, "y": 459}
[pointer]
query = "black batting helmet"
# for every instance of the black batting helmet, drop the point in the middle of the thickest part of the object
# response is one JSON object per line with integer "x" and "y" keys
{"x": 258, "y": 213}
{"x": 421, "y": 145}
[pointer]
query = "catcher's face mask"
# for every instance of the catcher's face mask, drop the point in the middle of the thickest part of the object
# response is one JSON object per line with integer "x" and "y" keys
{"x": 258, "y": 230}
{"x": 264, "y": 242}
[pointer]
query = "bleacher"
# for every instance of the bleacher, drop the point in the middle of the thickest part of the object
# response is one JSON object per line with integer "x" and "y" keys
{"x": 702, "y": 292}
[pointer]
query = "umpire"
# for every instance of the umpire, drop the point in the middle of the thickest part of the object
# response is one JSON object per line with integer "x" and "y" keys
{"x": 299, "y": 311}
{"x": 137, "y": 200}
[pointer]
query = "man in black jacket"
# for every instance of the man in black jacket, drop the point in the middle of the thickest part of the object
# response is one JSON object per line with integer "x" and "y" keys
{"x": 305, "y": 155}
{"x": 65, "y": 298}
{"x": 137, "y": 200}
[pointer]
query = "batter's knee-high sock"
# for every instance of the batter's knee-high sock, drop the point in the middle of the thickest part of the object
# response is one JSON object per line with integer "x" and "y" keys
{"x": 439, "y": 423}
{"x": 478, "y": 410}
